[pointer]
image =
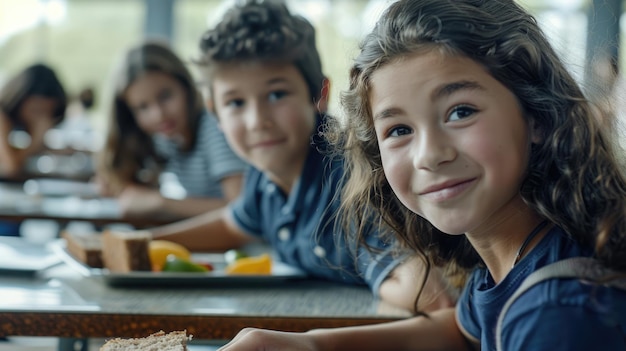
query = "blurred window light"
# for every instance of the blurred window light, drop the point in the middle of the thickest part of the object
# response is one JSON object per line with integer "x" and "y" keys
{"x": 313, "y": 10}
{"x": 566, "y": 5}
{"x": 16, "y": 16}
{"x": 567, "y": 32}
{"x": 55, "y": 31}
{"x": 372, "y": 12}
{"x": 54, "y": 11}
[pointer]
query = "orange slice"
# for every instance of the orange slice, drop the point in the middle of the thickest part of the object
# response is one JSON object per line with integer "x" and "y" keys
{"x": 158, "y": 250}
{"x": 261, "y": 265}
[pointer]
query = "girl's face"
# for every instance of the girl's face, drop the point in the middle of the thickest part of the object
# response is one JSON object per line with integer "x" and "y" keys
{"x": 267, "y": 115}
{"x": 159, "y": 104}
{"x": 35, "y": 108}
{"x": 453, "y": 141}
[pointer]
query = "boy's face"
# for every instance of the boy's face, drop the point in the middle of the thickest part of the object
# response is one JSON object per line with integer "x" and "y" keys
{"x": 453, "y": 140}
{"x": 267, "y": 115}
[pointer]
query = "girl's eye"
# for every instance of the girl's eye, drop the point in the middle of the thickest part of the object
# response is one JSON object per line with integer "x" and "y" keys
{"x": 138, "y": 110}
{"x": 399, "y": 131}
{"x": 276, "y": 95}
{"x": 164, "y": 95}
{"x": 461, "y": 112}
{"x": 235, "y": 103}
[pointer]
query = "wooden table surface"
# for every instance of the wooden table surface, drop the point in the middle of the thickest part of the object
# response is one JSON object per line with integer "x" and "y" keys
{"x": 61, "y": 302}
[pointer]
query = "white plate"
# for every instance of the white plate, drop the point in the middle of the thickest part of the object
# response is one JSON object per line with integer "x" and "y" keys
{"x": 19, "y": 256}
{"x": 280, "y": 272}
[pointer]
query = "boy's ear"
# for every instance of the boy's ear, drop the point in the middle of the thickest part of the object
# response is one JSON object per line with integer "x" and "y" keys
{"x": 322, "y": 104}
{"x": 210, "y": 105}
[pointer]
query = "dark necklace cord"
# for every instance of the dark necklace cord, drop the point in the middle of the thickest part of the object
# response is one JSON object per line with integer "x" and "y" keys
{"x": 529, "y": 238}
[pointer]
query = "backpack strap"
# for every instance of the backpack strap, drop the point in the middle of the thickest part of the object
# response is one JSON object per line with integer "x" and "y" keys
{"x": 583, "y": 268}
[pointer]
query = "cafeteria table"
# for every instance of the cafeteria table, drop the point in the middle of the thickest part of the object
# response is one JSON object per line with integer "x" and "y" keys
{"x": 57, "y": 300}
{"x": 64, "y": 201}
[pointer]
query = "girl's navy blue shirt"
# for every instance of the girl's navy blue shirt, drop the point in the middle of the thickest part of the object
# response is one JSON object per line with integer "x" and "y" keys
{"x": 557, "y": 314}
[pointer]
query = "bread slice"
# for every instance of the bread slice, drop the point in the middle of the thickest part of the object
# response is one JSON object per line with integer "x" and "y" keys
{"x": 174, "y": 341}
{"x": 123, "y": 252}
{"x": 85, "y": 247}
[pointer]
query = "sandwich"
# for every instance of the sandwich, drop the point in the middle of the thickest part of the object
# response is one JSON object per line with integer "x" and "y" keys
{"x": 174, "y": 341}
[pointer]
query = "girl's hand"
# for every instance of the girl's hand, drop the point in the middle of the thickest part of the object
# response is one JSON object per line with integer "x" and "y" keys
{"x": 139, "y": 200}
{"x": 105, "y": 188}
{"x": 251, "y": 339}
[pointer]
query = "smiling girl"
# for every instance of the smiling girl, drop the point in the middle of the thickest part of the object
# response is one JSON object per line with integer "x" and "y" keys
{"x": 158, "y": 123}
{"x": 475, "y": 145}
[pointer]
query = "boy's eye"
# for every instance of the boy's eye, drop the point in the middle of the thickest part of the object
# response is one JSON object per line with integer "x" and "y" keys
{"x": 399, "y": 131}
{"x": 276, "y": 95}
{"x": 460, "y": 112}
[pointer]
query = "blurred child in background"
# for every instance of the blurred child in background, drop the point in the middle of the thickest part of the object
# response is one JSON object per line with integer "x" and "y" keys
{"x": 33, "y": 101}
{"x": 158, "y": 124}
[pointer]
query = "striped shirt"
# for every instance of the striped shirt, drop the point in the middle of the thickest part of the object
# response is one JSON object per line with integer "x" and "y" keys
{"x": 201, "y": 169}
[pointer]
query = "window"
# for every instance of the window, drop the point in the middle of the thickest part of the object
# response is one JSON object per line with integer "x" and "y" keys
{"x": 82, "y": 39}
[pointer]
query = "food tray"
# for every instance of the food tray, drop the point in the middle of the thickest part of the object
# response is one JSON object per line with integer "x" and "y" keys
{"x": 280, "y": 273}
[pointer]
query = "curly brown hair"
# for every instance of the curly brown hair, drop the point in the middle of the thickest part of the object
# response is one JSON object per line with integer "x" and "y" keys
{"x": 573, "y": 179}
{"x": 263, "y": 31}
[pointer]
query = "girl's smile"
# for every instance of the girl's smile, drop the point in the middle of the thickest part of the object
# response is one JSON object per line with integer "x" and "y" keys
{"x": 447, "y": 190}
{"x": 167, "y": 127}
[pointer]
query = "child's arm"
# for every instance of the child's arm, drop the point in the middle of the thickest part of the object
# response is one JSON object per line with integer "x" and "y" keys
{"x": 141, "y": 200}
{"x": 231, "y": 186}
{"x": 10, "y": 160}
{"x": 439, "y": 332}
{"x": 401, "y": 287}
{"x": 37, "y": 126}
{"x": 211, "y": 231}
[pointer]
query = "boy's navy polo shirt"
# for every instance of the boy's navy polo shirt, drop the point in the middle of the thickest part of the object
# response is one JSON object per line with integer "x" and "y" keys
{"x": 301, "y": 227}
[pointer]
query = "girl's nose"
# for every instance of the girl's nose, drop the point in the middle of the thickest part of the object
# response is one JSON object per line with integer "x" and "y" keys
{"x": 432, "y": 150}
{"x": 156, "y": 113}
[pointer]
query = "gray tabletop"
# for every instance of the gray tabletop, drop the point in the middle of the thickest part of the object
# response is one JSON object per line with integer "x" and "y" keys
{"x": 59, "y": 301}
{"x": 66, "y": 200}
